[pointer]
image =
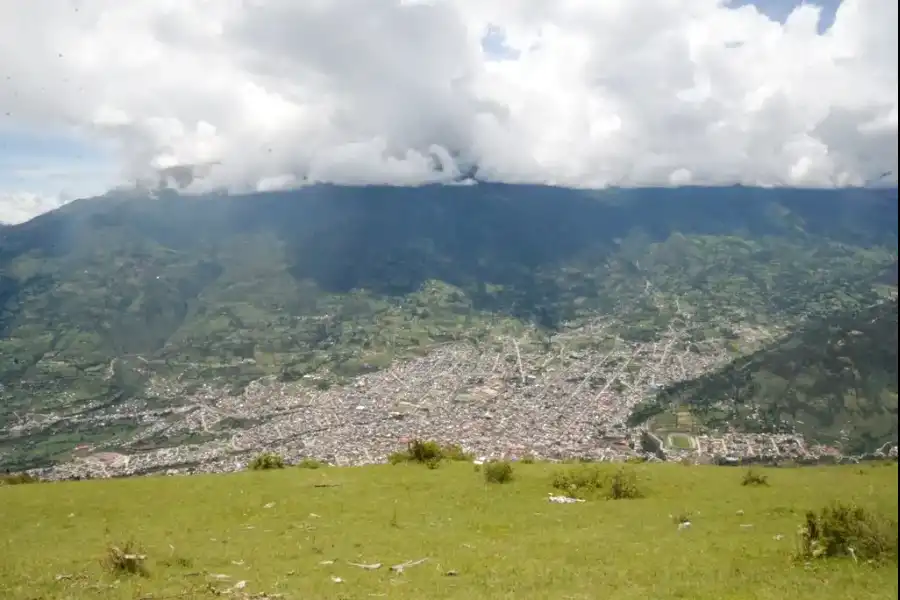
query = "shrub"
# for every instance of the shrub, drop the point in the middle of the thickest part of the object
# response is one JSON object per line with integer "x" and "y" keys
{"x": 125, "y": 560}
{"x": 428, "y": 453}
{"x": 754, "y": 478}
{"x": 623, "y": 485}
{"x": 528, "y": 459}
{"x": 589, "y": 482}
{"x": 18, "y": 479}
{"x": 582, "y": 482}
{"x": 456, "y": 453}
{"x": 433, "y": 463}
{"x": 498, "y": 472}
{"x": 842, "y": 530}
{"x": 310, "y": 463}
{"x": 682, "y": 517}
{"x": 422, "y": 452}
{"x": 266, "y": 461}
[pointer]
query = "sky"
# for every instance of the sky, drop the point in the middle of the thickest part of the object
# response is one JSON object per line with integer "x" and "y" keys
{"x": 269, "y": 94}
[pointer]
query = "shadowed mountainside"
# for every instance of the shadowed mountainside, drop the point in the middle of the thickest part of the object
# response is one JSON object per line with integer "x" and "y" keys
{"x": 389, "y": 241}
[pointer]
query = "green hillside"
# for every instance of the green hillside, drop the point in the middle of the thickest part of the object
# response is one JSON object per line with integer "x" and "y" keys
{"x": 106, "y": 301}
{"x": 833, "y": 379}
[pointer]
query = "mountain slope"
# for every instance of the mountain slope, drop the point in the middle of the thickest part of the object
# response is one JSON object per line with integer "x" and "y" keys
{"x": 834, "y": 379}
{"x": 106, "y": 301}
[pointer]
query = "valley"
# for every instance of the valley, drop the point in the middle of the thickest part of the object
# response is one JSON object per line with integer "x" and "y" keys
{"x": 513, "y": 320}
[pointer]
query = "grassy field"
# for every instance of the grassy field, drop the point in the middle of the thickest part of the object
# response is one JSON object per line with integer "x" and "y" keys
{"x": 675, "y": 421}
{"x": 277, "y": 531}
{"x": 680, "y": 441}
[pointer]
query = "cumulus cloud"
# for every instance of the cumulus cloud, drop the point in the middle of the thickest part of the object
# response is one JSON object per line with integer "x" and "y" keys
{"x": 267, "y": 94}
{"x": 18, "y": 207}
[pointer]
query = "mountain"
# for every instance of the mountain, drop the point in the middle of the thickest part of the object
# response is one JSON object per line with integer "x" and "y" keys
{"x": 130, "y": 300}
{"x": 833, "y": 379}
{"x": 890, "y": 275}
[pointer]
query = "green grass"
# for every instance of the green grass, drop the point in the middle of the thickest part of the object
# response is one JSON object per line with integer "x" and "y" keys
{"x": 274, "y": 529}
{"x": 679, "y": 441}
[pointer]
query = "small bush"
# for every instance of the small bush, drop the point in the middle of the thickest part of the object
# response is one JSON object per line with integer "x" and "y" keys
{"x": 310, "y": 463}
{"x": 18, "y": 479}
{"x": 266, "y": 461}
{"x": 528, "y": 459}
{"x": 455, "y": 453}
{"x": 623, "y": 485}
{"x": 422, "y": 452}
{"x": 427, "y": 453}
{"x": 682, "y": 517}
{"x": 583, "y": 482}
{"x": 754, "y": 478}
{"x": 433, "y": 463}
{"x": 498, "y": 472}
{"x": 842, "y": 530}
{"x": 589, "y": 482}
{"x": 125, "y": 560}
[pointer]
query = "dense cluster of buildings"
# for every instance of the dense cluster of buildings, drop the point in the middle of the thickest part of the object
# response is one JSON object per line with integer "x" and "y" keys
{"x": 508, "y": 399}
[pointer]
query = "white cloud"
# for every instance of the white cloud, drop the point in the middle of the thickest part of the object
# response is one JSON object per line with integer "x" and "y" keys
{"x": 19, "y": 207}
{"x": 265, "y": 94}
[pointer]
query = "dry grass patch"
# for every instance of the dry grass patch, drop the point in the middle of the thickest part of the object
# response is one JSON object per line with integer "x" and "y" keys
{"x": 127, "y": 559}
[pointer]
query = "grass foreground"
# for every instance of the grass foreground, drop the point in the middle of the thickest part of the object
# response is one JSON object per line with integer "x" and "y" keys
{"x": 295, "y": 533}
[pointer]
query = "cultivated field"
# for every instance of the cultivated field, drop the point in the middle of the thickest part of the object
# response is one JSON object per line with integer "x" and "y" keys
{"x": 296, "y": 533}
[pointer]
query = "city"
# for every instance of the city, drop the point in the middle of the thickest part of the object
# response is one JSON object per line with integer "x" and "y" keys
{"x": 508, "y": 399}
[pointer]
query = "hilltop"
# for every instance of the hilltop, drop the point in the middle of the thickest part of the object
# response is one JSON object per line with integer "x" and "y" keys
{"x": 218, "y": 325}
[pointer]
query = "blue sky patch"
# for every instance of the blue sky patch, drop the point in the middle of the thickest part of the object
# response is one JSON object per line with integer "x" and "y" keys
{"x": 493, "y": 44}
{"x": 44, "y": 162}
{"x": 779, "y": 10}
